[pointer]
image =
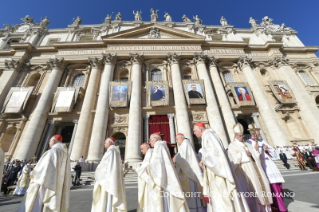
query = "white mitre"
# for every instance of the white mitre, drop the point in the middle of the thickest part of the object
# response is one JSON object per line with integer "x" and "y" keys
{"x": 238, "y": 129}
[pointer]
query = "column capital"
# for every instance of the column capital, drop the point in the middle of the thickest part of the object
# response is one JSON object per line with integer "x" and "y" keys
{"x": 254, "y": 115}
{"x": 14, "y": 64}
{"x": 244, "y": 61}
{"x": 137, "y": 58}
{"x": 199, "y": 58}
{"x": 170, "y": 115}
{"x": 57, "y": 63}
{"x": 279, "y": 61}
{"x": 146, "y": 116}
{"x": 96, "y": 62}
{"x": 212, "y": 61}
{"x": 173, "y": 58}
{"x": 109, "y": 58}
{"x": 75, "y": 121}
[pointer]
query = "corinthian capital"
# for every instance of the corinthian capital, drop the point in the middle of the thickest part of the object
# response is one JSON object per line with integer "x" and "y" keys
{"x": 57, "y": 63}
{"x": 96, "y": 62}
{"x": 213, "y": 61}
{"x": 244, "y": 61}
{"x": 200, "y": 58}
{"x": 137, "y": 58}
{"x": 109, "y": 58}
{"x": 279, "y": 61}
{"x": 173, "y": 58}
{"x": 13, "y": 64}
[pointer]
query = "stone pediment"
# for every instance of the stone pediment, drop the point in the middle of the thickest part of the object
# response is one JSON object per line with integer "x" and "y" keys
{"x": 152, "y": 32}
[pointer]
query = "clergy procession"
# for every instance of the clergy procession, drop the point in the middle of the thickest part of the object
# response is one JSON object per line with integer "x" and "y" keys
{"x": 244, "y": 178}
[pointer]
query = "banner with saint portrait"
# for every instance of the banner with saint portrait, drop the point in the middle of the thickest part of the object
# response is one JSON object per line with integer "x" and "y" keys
{"x": 119, "y": 94}
{"x": 242, "y": 93}
{"x": 64, "y": 99}
{"x": 17, "y": 99}
{"x": 194, "y": 91}
{"x": 282, "y": 92}
{"x": 157, "y": 93}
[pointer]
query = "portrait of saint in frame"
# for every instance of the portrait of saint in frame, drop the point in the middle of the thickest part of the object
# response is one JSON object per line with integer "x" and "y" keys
{"x": 119, "y": 94}
{"x": 242, "y": 93}
{"x": 194, "y": 91}
{"x": 158, "y": 93}
{"x": 16, "y": 99}
{"x": 282, "y": 92}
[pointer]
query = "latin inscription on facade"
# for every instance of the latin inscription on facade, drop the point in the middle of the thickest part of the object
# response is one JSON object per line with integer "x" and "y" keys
{"x": 154, "y": 48}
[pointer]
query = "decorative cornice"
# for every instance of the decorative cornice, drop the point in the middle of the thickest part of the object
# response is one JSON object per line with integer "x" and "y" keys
{"x": 109, "y": 58}
{"x": 316, "y": 62}
{"x": 279, "y": 61}
{"x": 137, "y": 58}
{"x": 244, "y": 61}
{"x": 173, "y": 58}
{"x": 96, "y": 62}
{"x": 13, "y": 64}
{"x": 200, "y": 58}
{"x": 57, "y": 63}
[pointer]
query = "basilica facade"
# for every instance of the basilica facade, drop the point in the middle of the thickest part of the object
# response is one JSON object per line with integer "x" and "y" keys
{"x": 128, "y": 79}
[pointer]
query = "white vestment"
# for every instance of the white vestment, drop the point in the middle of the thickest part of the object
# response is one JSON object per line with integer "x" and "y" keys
{"x": 143, "y": 182}
{"x": 109, "y": 191}
{"x": 219, "y": 182}
{"x": 165, "y": 192}
{"x": 251, "y": 173}
{"x": 23, "y": 181}
{"x": 1, "y": 165}
{"x": 190, "y": 175}
{"x": 49, "y": 189}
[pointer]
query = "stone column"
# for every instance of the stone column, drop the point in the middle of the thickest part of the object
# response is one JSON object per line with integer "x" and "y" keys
{"x": 134, "y": 138}
{"x": 73, "y": 134}
{"x": 82, "y": 134}
{"x": 223, "y": 100}
{"x": 257, "y": 124}
{"x": 28, "y": 144}
{"x": 308, "y": 108}
{"x": 9, "y": 75}
{"x": 172, "y": 129}
{"x": 146, "y": 128}
{"x": 183, "y": 124}
{"x": 265, "y": 109}
{"x": 212, "y": 109}
{"x": 52, "y": 125}
{"x": 102, "y": 111}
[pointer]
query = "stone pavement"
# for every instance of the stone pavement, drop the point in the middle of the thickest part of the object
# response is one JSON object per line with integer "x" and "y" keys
{"x": 302, "y": 184}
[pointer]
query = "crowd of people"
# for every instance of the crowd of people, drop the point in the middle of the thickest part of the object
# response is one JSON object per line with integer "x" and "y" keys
{"x": 240, "y": 178}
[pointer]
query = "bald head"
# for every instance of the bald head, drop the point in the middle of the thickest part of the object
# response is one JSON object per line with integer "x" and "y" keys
{"x": 144, "y": 148}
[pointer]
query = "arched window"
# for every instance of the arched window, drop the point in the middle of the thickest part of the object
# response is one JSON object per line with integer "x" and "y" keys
{"x": 306, "y": 78}
{"x": 78, "y": 80}
{"x": 156, "y": 75}
{"x": 228, "y": 77}
{"x": 123, "y": 75}
{"x": 187, "y": 74}
{"x": 317, "y": 100}
{"x": 34, "y": 79}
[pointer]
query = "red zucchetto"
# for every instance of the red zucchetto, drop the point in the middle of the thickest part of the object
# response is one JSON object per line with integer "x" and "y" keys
{"x": 58, "y": 137}
{"x": 200, "y": 124}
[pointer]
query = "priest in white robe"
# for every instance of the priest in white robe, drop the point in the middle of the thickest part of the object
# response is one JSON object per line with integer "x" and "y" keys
{"x": 23, "y": 181}
{"x": 219, "y": 183}
{"x": 189, "y": 173}
{"x": 49, "y": 189}
{"x": 165, "y": 193}
{"x": 143, "y": 178}
{"x": 109, "y": 190}
{"x": 245, "y": 160}
{"x": 2, "y": 158}
{"x": 273, "y": 174}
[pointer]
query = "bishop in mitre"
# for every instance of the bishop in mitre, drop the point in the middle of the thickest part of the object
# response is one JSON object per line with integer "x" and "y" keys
{"x": 245, "y": 160}
{"x": 49, "y": 189}
{"x": 219, "y": 183}
{"x": 274, "y": 176}
{"x": 109, "y": 191}
{"x": 165, "y": 192}
{"x": 1, "y": 164}
{"x": 143, "y": 178}
{"x": 23, "y": 181}
{"x": 189, "y": 173}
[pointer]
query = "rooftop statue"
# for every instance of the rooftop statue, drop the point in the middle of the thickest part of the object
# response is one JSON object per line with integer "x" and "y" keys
{"x": 197, "y": 20}
{"x": 118, "y": 17}
{"x": 44, "y": 22}
{"x": 137, "y": 15}
{"x": 27, "y": 20}
{"x": 154, "y": 16}
{"x": 253, "y": 22}
{"x": 167, "y": 17}
{"x": 77, "y": 21}
{"x": 186, "y": 19}
{"x": 223, "y": 21}
{"x": 108, "y": 19}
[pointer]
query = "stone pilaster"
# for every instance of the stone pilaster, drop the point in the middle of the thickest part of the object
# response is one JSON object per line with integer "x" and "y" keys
{"x": 146, "y": 118}
{"x": 133, "y": 142}
{"x": 28, "y": 144}
{"x": 265, "y": 109}
{"x": 82, "y": 135}
{"x": 222, "y": 98}
{"x": 212, "y": 109}
{"x": 172, "y": 129}
{"x": 257, "y": 124}
{"x": 183, "y": 124}
{"x": 73, "y": 134}
{"x": 102, "y": 111}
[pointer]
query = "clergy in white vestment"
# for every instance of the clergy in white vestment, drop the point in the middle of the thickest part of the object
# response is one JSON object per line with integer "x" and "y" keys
{"x": 109, "y": 191}
{"x": 219, "y": 183}
{"x": 143, "y": 178}
{"x": 1, "y": 165}
{"x": 273, "y": 174}
{"x": 23, "y": 181}
{"x": 245, "y": 160}
{"x": 189, "y": 173}
{"x": 165, "y": 192}
{"x": 49, "y": 189}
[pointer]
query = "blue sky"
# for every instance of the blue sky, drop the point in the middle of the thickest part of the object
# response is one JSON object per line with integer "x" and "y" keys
{"x": 302, "y": 16}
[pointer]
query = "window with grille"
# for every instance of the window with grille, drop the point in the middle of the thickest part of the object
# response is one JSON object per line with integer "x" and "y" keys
{"x": 156, "y": 75}
{"x": 78, "y": 81}
{"x": 305, "y": 77}
{"x": 228, "y": 77}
